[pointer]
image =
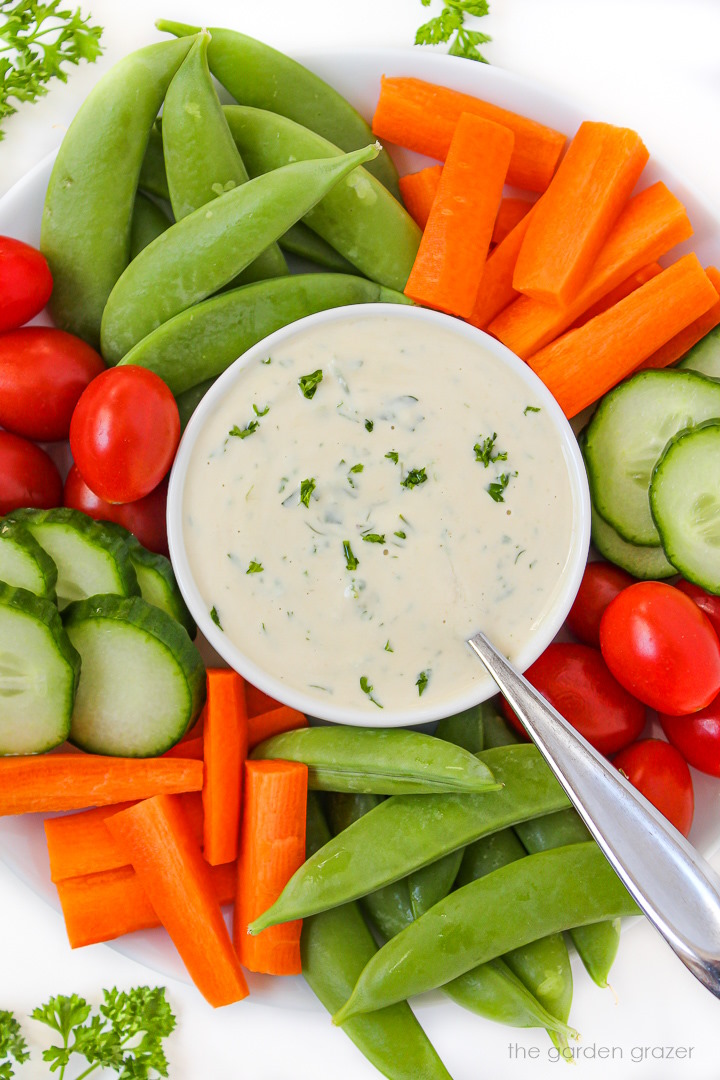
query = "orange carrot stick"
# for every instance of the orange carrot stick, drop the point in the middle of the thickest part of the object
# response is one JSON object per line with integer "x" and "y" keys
{"x": 272, "y": 847}
{"x": 226, "y": 746}
{"x": 677, "y": 346}
{"x": 257, "y": 701}
{"x": 274, "y": 722}
{"x": 584, "y": 364}
{"x": 48, "y": 782}
{"x": 419, "y": 190}
{"x": 423, "y": 116}
{"x": 580, "y": 207}
{"x": 511, "y": 211}
{"x": 103, "y": 906}
{"x": 451, "y": 257}
{"x": 159, "y": 843}
{"x": 652, "y": 223}
{"x": 192, "y": 749}
{"x": 629, "y": 285}
{"x": 496, "y": 290}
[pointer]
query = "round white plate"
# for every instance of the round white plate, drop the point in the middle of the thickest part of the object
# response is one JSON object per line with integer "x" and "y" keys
{"x": 357, "y": 76}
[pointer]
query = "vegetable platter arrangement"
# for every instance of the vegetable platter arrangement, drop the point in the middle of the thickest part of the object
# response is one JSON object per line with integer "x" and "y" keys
{"x": 357, "y": 857}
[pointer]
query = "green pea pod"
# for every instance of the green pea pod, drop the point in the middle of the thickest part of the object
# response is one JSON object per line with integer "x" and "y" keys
{"x": 148, "y": 221}
{"x": 201, "y": 158}
{"x": 383, "y": 761}
{"x": 431, "y": 883}
{"x": 527, "y": 899}
{"x": 496, "y": 729}
{"x": 335, "y": 946}
{"x": 258, "y": 75}
{"x": 188, "y": 401}
{"x": 464, "y": 729}
{"x": 87, "y": 216}
{"x": 153, "y": 175}
{"x": 360, "y": 219}
{"x": 406, "y": 832}
{"x": 204, "y": 251}
{"x": 200, "y": 343}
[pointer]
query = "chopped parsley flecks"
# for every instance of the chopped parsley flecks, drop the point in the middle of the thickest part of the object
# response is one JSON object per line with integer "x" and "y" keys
{"x": 531, "y": 408}
{"x": 255, "y": 567}
{"x": 351, "y": 562}
{"x": 242, "y": 433}
{"x": 306, "y": 489}
{"x": 284, "y": 480}
{"x": 369, "y": 425}
{"x": 215, "y": 617}
{"x": 374, "y": 538}
{"x": 267, "y": 361}
{"x": 366, "y": 688}
{"x": 261, "y": 412}
{"x": 401, "y": 534}
{"x": 421, "y": 682}
{"x": 388, "y": 647}
{"x": 484, "y": 450}
{"x": 357, "y": 468}
{"x": 495, "y": 490}
{"x": 309, "y": 383}
{"x": 414, "y": 478}
{"x": 393, "y": 455}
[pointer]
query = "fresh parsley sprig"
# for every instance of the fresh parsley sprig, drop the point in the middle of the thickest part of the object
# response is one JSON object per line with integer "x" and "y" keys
{"x": 449, "y": 25}
{"x": 12, "y": 1045}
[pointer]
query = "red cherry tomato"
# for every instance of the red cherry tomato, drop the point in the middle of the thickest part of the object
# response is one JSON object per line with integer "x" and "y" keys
{"x": 705, "y": 601}
{"x": 661, "y": 647}
{"x": 144, "y": 517}
{"x": 600, "y": 584}
{"x": 25, "y": 283}
{"x": 124, "y": 433}
{"x": 28, "y": 477}
{"x": 576, "y": 682}
{"x": 658, "y": 771}
{"x": 43, "y": 372}
{"x": 697, "y": 737}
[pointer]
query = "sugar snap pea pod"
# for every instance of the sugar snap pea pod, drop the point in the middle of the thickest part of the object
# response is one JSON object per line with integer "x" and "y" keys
{"x": 497, "y": 731}
{"x": 300, "y": 240}
{"x": 464, "y": 729}
{"x": 431, "y": 883}
{"x": 201, "y": 158}
{"x": 408, "y": 831}
{"x": 335, "y": 946}
{"x": 360, "y": 219}
{"x": 257, "y": 75}
{"x": 198, "y": 344}
{"x": 88, "y": 209}
{"x": 153, "y": 176}
{"x": 148, "y": 221}
{"x": 392, "y": 761}
{"x": 527, "y": 899}
{"x": 188, "y": 401}
{"x": 204, "y": 251}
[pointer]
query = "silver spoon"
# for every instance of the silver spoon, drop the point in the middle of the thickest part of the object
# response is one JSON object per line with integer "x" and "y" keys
{"x": 668, "y": 879}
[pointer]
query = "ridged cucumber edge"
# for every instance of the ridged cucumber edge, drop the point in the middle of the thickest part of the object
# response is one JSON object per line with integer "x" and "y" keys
{"x": 45, "y": 611}
{"x": 16, "y": 533}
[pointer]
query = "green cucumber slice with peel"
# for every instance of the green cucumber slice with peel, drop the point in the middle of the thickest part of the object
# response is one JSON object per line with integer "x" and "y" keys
{"x": 90, "y": 560}
{"x": 644, "y": 563}
{"x": 39, "y": 673}
{"x": 142, "y": 683}
{"x": 23, "y": 563}
{"x": 704, "y": 357}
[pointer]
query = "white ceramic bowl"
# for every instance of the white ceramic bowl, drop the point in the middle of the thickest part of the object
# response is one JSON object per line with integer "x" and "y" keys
{"x": 265, "y": 677}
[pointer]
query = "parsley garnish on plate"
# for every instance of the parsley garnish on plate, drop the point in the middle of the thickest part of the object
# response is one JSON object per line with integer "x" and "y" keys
{"x": 531, "y": 408}
{"x": 414, "y": 478}
{"x": 451, "y": 21}
{"x": 242, "y": 433}
{"x": 367, "y": 689}
{"x": 369, "y": 425}
{"x": 306, "y": 489}
{"x": 255, "y": 567}
{"x": 421, "y": 682}
{"x": 392, "y": 455}
{"x": 261, "y": 412}
{"x": 309, "y": 383}
{"x": 496, "y": 489}
{"x": 215, "y": 617}
{"x": 351, "y": 563}
{"x": 484, "y": 450}
{"x": 374, "y": 538}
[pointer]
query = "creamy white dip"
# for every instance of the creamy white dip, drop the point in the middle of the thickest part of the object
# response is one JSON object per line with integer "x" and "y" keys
{"x": 350, "y": 538}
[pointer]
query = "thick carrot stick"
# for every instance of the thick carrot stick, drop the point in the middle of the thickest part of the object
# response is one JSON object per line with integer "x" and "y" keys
{"x": 580, "y": 207}
{"x": 158, "y": 841}
{"x": 272, "y": 847}
{"x": 511, "y": 211}
{"x": 79, "y": 844}
{"x": 190, "y": 748}
{"x": 677, "y": 346}
{"x": 226, "y": 747}
{"x": 257, "y": 701}
{"x": 48, "y": 782}
{"x": 583, "y": 364}
{"x": 274, "y": 722}
{"x": 103, "y": 906}
{"x": 454, "y": 246}
{"x": 652, "y": 223}
{"x": 496, "y": 290}
{"x": 629, "y": 285}
{"x": 419, "y": 190}
{"x": 423, "y": 116}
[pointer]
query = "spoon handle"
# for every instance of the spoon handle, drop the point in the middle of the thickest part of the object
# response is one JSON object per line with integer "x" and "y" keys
{"x": 668, "y": 879}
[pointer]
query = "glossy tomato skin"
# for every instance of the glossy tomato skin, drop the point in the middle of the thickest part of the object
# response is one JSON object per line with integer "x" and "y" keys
{"x": 660, "y": 772}
{"x": 697, "y": 737}
{"x": 576, "y": 682}
{"x": 661, "y": 647}
{"x": 601, "y": 583}
{"x": 144, "y": 517}
{"x": 28, "y": 476}
{"x": 43, "y": 372}
{"x": 25, "y": 283}
{"x": 706, "y": 601}
{"x": 124, "y": 433}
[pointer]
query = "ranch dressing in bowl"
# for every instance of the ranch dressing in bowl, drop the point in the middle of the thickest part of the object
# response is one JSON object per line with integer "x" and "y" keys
{"x": 366, "y": 493}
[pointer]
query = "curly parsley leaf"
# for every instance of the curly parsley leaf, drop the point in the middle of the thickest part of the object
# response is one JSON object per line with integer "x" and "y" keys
{"x": 449, "y": 26}
{"x": 421, "y": 682}
{"x": 496, "y": 489}
{"x": 414, "y": 478}
{"x": 484, "y": 450}
{"x": 309, "y": 383}
{"x": 12, "y": 1045}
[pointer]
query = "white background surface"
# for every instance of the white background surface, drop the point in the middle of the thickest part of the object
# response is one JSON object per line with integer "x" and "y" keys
{"x": 649, "y": 64}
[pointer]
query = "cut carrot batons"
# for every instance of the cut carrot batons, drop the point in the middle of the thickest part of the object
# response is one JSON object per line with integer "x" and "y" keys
{"x": 189, "y": 748}
{"x": 511, "y": 211}
{"x": 451, "y": 258}
{"x": 496, "y": 290}
{"x": 226, "y": 747}
{"x": 158, "y": 841}
{"x": 272, "y": 848}
{"x": 585, "y": 363}
{"x": 629, "y": 285}
{"x": 423, "y": 117}
{"x": 104, "y": 906}
{"x": 274, "y": 722}
{"x": 257, "y": 701}
{"x": 650, "y": 225}
{"x": 419, "y": 190}
{"x": 584, "y": 200}
{"x": 47, "y": 782}
{"x": 677, "y": 346}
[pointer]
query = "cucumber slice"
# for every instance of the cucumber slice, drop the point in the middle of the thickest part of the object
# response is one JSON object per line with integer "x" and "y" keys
{"x": 627, "y": 435}
{"x": 704, "y": 357}
{"x": 23, "y": 563}
{"x": 142, "y": 683}
{"x": 39, "y": 672}
{"x": 685, "y": 503}
{"x": 89, "y": 559}
{"x": 645, "y": 563}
